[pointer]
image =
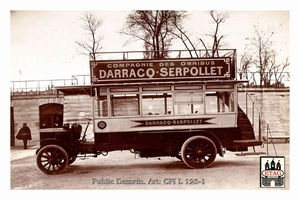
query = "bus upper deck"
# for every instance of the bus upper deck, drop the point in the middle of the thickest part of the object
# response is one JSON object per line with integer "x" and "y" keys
{"x": 188, "y": 90}
{"x": 184, "y": 105}
{"x": 181, "y": 89}
{"x": 123, "y": 67}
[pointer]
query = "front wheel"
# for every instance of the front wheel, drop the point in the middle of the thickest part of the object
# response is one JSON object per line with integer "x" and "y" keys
{"x": 178, "y": 156}
{"x": 52, "y": 159}
{"x": 198, "y": 152}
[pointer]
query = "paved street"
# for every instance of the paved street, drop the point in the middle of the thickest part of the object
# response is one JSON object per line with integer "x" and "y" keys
{"x": 124, "y": 170}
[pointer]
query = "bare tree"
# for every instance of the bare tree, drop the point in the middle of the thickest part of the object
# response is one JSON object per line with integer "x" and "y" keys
{"x": 91, "y": 45}
{"x": 154, "y": 28}
{"x": 218, "y": 18}
{"x": 279, "y": 73}
{"x": 264, "y": 57}
{"x": 271, "y": 67}
{"x": 263, "y": 52}
{"x": 245, "y": 63}
{"x": 181, "y": 34}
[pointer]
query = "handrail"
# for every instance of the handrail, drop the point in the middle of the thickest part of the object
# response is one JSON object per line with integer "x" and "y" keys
{"x": 260, "y": 120}
{"x": 269, "y": 132}
{"x": 76, "y": 79}
{"x": 254, "y": 106}
{"x": 175, "y": 53}
{"x": 28, "y": 87}
{"x": 81, "y": 79}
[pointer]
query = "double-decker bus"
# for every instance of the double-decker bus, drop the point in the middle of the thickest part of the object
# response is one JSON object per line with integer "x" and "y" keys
{"x": 181, "y": 106}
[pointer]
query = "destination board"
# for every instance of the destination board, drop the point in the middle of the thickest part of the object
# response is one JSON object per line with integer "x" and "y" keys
{"x": 161, "y": 70}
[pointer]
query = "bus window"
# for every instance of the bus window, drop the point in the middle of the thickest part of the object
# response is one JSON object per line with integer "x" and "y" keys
{"x": 100, "y": 102}
{"x": 100, "y": 105}
{"x": 51, "y": 115}
{"x": 189, "y": 103}
{"x": 157, "y": 104}
{"x": 125, "y": 105}
{"x": 219, "y": 102}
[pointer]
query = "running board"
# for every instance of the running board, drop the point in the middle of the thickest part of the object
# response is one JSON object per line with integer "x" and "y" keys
{"x": 246, "y": 143}
{"x": 242, "y": 145}
{"x": 250, "y": 153}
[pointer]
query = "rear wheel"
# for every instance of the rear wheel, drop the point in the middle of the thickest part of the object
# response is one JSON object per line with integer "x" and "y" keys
{"x": 72, "y": 159}
{"x": 52, "y": 159}
{"x": 198, "y": 152}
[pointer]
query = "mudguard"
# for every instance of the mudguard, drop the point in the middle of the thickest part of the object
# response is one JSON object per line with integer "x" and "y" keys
{"x": 60, "y": 143}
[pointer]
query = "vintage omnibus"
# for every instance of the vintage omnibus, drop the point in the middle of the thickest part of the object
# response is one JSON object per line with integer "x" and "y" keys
{"x": 181, "y": 106}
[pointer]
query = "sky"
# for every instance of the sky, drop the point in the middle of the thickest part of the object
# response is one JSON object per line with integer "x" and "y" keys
{"x": 42, "y": 42}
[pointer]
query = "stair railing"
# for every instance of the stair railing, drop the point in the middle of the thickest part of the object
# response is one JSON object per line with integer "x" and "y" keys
{"x": 270, "y": 133}
{"x": 254, "y": 108}
{"x": 260, "y": 120}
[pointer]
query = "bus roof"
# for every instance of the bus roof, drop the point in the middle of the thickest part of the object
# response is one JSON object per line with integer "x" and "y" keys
{"x": 87, "y": 89}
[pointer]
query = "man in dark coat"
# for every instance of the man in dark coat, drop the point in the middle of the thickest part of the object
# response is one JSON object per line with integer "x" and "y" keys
{"x": 24, "y": 134}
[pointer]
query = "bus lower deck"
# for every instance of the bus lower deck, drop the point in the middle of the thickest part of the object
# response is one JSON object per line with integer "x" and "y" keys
{"x": 182, "y": 107}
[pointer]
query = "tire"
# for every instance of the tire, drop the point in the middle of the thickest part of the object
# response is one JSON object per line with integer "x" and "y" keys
{"x": 72, "y": 159}
{"x": 198, "y": 152}
{"x": 52, "y": 159}
{"x": 178, "y": 156}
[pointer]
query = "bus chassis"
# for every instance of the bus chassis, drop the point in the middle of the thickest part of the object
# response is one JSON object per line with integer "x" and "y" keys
{"x": 197, "y": 148}
{"x": 186, "y": 110}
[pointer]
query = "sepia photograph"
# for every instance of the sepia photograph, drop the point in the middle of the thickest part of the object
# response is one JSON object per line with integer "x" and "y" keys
{"x": 150, "y": 99}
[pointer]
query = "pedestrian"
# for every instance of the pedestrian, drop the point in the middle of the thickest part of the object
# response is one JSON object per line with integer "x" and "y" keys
{"x": 24, "y": 134}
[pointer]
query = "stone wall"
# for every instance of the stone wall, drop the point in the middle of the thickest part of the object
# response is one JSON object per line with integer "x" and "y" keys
{"x": 275, "y": 109}
{"x": 77, "y": 109}
{"x": 274, "y": 105}
{"x": 26, "y": 110}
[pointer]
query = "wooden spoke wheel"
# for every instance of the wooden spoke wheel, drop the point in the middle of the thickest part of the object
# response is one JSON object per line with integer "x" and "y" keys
{"x": 52, "y": 159}
{"x": 198, "y": 152}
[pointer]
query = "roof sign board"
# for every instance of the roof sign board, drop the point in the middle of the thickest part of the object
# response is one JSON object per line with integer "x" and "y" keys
{"x": 161, "y": 70}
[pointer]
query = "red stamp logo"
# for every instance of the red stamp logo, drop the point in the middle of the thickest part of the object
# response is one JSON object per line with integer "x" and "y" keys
{"x": 272, "y": 171}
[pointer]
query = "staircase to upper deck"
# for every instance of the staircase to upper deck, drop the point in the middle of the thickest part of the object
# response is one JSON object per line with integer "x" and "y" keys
{"x": 248, "y": 134}
{"x": 249, "y": 138}
{"x": 245, "y": 125}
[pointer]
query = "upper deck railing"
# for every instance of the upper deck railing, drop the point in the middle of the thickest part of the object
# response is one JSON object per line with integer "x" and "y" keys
{"x": 169, "y": 54}
{"x": 39, "y": 87}
{"x": 28, "y": 87}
